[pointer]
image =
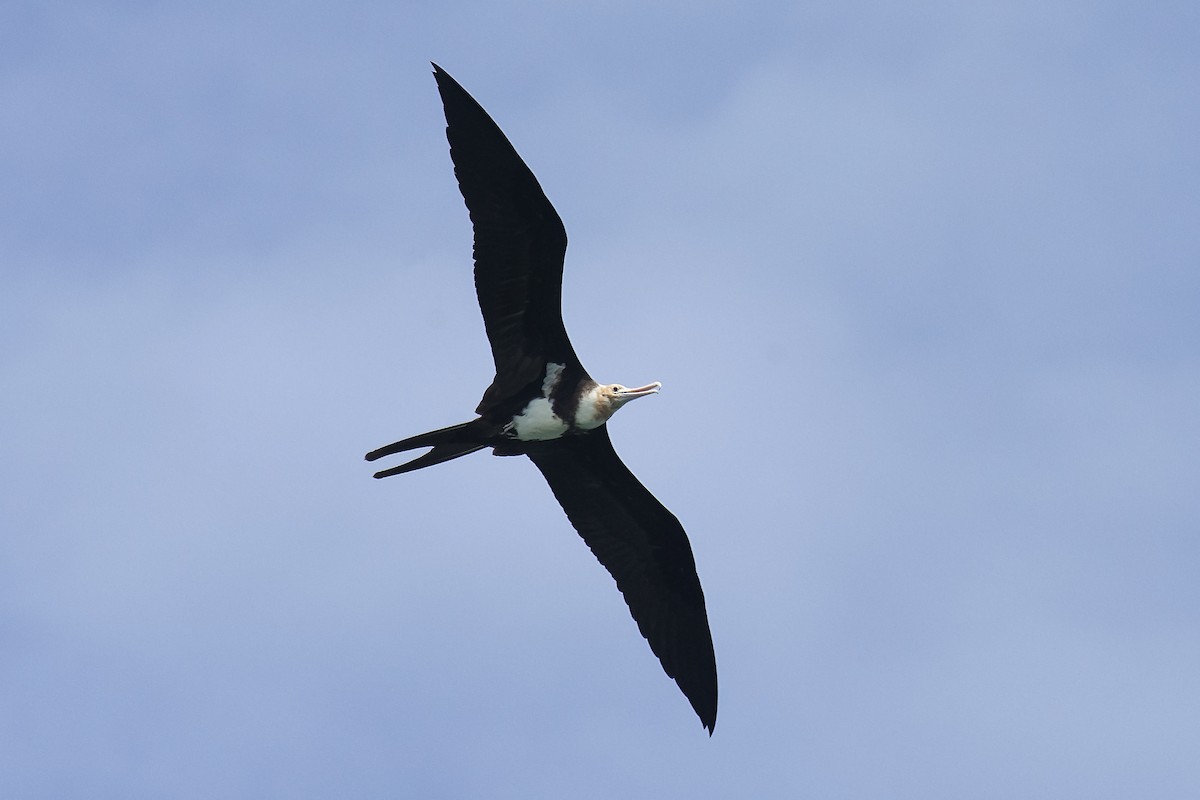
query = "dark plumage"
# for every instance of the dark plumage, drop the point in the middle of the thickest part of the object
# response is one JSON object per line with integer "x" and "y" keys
{"x": 542, "y": 403}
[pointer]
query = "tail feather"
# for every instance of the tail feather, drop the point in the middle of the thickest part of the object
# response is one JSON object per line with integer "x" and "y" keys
{"x": 440, "y": 453}
{"x": 447, "y": 443}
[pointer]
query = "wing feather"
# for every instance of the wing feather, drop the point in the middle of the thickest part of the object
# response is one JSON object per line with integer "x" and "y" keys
{"x": 520, "y": 243}
{"x": 645, "y": 549}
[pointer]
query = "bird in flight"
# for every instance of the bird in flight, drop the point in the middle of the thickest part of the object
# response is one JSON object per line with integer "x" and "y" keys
{"x": 543, "y": 404}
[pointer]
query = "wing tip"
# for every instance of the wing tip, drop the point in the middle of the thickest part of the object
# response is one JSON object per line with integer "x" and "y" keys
{"x": 703, "y": 698}
{"x": 708, "y": 718}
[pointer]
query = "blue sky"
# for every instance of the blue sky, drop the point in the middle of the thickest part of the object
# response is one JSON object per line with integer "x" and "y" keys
{"x": 920, "y": 281}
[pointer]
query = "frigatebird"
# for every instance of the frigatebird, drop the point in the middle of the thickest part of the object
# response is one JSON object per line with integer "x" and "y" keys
{"x": 543, "y": 404}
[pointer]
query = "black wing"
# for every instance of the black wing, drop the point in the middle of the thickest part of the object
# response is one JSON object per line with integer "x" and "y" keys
{"x": 520, "y": 243}
{"x": 644, "y": 547}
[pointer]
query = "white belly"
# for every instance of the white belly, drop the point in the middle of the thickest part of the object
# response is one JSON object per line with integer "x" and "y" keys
{"x": 538, "y": 422}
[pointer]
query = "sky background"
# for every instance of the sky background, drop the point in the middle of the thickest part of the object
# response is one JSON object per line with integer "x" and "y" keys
{"x": 922, "y": 284}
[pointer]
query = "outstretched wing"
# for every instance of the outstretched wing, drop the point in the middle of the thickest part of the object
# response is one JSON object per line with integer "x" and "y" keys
{"x": 520, "y": 243}
{"x": 645, "y": 549}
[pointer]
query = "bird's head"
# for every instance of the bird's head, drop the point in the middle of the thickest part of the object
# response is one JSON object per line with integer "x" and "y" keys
{"x": 603, "y": 401}
{"x": 617, "y": 395}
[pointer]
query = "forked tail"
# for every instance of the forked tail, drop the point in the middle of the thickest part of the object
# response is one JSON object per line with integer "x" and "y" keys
{"x": 447, "y": 443}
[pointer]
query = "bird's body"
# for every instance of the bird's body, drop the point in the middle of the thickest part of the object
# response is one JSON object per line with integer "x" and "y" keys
{"x": 543, "y": 404}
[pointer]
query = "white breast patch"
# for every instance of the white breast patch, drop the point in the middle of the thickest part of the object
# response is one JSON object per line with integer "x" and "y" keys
{"x": 538, "y": 422}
